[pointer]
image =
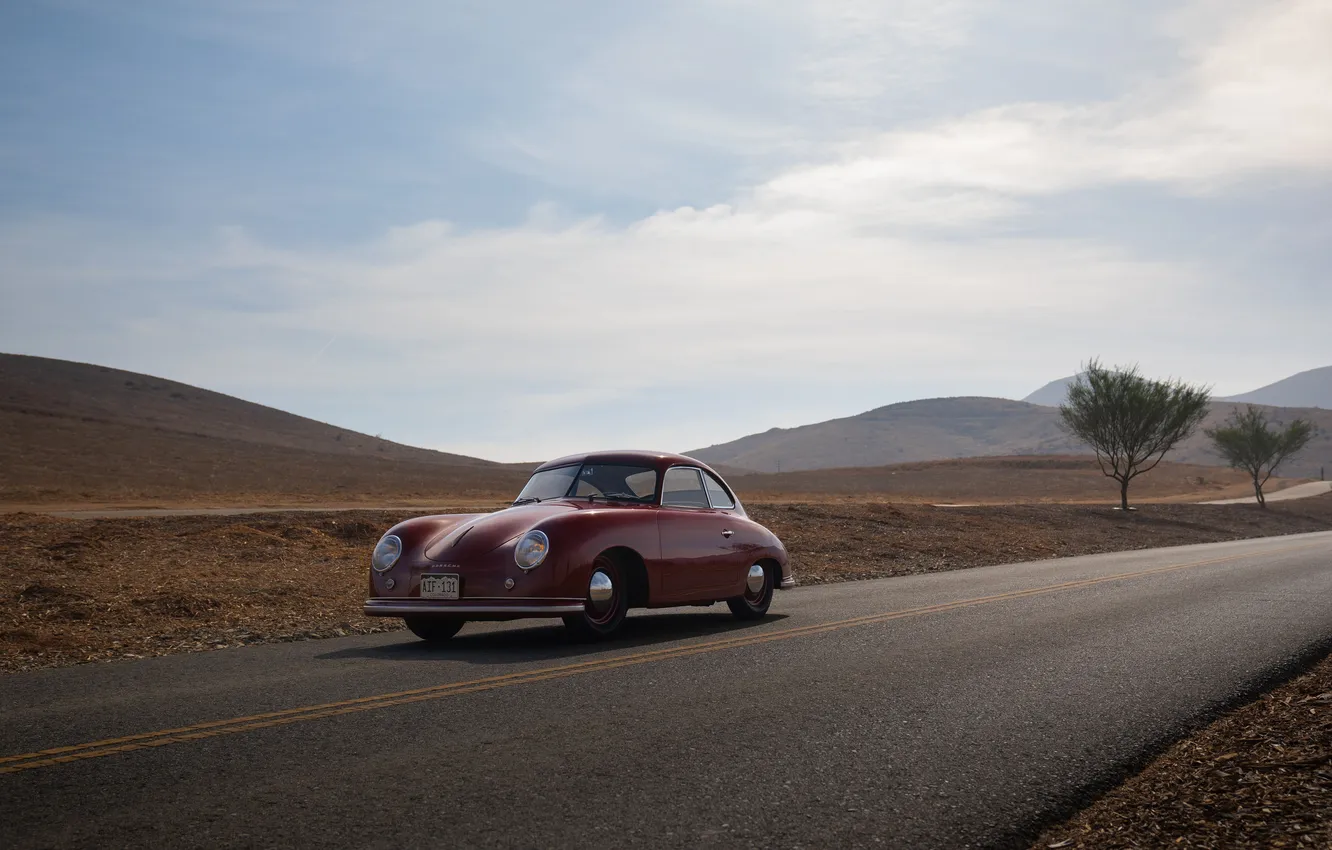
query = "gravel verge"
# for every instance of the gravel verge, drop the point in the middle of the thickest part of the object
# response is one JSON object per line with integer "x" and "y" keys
{"x": 1260, "y": 776}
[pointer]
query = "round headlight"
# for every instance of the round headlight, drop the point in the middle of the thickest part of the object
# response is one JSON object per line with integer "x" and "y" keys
{"x": 531, "y": 550}
{"x": 387, "y": 553}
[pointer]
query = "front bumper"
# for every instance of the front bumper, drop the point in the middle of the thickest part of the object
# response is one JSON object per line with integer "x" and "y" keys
{"x": 788, "y": 582}
{"x": 472, "y": 609}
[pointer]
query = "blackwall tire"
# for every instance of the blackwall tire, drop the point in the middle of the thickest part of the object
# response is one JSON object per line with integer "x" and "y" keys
{"x": 601, "y": 619}
{"x": 753, "y": 605}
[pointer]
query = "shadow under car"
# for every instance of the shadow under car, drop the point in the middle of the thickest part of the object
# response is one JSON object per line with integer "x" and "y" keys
{"x": 541, "y": 640}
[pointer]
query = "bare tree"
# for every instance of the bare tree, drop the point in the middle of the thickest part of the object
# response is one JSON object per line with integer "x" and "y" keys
{"x": 1130, "y": 421}
{"x": 1248, "y": 442}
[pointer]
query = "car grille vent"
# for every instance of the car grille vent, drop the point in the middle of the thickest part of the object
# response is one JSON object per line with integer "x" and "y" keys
{"x": 459, "y": 538}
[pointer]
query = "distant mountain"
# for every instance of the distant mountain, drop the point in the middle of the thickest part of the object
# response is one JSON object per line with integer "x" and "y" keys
{"x": 949, "y": 428}
{"x": 930, "y": 429}
{"x": 74, "y": 432}
{"x": 1307, "y": 389}
{"x": 1052, "y": 394}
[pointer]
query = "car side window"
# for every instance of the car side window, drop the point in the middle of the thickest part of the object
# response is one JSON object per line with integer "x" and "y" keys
{"x": 683, "y": 488}
{"x": 717, "y": 494}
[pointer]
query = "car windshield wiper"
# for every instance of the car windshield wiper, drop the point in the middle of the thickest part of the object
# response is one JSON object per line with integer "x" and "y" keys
{"x": 615, "y": 497}
{"x": 526, "y": 500}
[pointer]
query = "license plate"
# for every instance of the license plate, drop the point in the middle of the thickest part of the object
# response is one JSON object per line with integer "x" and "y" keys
{"x": 439, "y": 587}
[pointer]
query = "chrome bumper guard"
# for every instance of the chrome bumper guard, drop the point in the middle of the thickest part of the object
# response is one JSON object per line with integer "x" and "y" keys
{"x": 787, "y": 582}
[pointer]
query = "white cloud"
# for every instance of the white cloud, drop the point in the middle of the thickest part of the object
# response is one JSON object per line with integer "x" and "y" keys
{"x": 1253, "y": 105}
{"x": 761, "y": 82}
{"x": 879, "y": 262}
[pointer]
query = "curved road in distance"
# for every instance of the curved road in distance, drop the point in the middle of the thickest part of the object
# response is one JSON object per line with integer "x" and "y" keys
{"x": 960, "y": 709}
{"x": 1298, "y": 491}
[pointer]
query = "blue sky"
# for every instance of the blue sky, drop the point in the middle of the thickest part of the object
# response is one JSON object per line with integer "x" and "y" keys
{"x": 520, "y": 229}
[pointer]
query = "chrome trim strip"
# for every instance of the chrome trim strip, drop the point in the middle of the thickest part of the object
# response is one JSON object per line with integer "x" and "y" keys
{"x": 400, "y": 607}
{"x": 513, "y": 599}
{"x": 789, "y": 581}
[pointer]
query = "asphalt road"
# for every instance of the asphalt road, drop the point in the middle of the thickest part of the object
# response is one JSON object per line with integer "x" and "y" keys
{"x": 961, "y": 709}
{"x": 1299, "y": 491}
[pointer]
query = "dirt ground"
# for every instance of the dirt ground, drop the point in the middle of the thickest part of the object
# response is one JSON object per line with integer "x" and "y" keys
{"x": 1260, "y": 776}
{"x": 997, "y": 481}
{"x": 842, "y": 541}
{"x": 73, "y": 591}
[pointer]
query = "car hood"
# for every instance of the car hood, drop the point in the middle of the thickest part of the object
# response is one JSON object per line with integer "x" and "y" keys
{"x": 484, "y": 533}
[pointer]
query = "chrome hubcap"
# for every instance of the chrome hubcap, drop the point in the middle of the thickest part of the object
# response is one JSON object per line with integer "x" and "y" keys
{"x": 600, "y": 590}
{"x": 754, "y": 581}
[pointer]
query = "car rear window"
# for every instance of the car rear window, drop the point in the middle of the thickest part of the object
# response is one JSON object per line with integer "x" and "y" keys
{"x": 617, "y": 481}
{"x": 717, "y": 494}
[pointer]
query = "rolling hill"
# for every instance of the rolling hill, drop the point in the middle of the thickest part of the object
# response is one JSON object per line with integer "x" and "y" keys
{"x": 73, "y": 432}
{"x": 930, "y": 429}
{"x": 948, "y": 428}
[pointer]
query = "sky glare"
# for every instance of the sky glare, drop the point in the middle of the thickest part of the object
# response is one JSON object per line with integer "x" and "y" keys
{"x": 522, "y": 229}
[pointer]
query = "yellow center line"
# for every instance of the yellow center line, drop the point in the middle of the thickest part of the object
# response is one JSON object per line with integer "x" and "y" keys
{"x": 211, "y": 729}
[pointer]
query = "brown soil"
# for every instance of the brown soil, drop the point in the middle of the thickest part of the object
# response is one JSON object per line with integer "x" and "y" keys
{"x": 998, "y": 480}
{"x": 838, "y": 542}
{"x": 1261, "y": 776}
{"x": 85, "y": 590}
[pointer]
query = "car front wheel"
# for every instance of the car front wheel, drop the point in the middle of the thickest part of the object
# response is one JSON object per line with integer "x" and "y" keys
{"x": 434, "y": 628}
{"x": 759, "y": 583}
{"x": 606, "y": 603}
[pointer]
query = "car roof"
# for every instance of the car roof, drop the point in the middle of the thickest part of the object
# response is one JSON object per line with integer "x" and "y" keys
{"x": 658, "y": 460}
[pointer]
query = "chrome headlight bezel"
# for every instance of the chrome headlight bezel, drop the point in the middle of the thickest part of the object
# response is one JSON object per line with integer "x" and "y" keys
{"x": 531, "y": 550}
{"x": 387, "y": 552}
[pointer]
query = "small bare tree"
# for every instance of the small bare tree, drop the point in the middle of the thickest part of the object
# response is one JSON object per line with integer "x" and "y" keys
{"x": 1248, "y": 442}
{"x": 1130, "y": 421}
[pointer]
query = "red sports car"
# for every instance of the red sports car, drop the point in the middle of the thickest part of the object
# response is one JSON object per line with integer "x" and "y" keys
{"x": 588, "y": 538}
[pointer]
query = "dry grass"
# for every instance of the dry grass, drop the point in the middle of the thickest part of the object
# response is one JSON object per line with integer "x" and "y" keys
{"x": 998, "y": 480}
{"x": 87, "y": 590}
{"x": 74, "y": 434}
{"x": 844, "y": 541}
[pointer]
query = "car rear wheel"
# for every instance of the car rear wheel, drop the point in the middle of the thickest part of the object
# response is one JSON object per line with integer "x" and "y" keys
{"x": 754, "y": 603}
{"x": 434, "y": 628}
{"x": 606, "y": 604}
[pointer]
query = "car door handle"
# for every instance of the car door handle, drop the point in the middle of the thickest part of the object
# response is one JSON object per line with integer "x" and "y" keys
{"x": 726, "y": 532}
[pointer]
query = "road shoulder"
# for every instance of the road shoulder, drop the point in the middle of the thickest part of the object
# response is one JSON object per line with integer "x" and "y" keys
{"x": 1259, "y": 776}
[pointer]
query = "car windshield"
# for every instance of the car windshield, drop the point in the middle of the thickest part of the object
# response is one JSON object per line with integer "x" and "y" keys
{"x": 621, "y": 482}
{"x": 548, "y": 484}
